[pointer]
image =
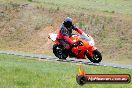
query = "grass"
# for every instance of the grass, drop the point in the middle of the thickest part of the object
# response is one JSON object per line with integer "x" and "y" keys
{"x": 106, "y": 6}
{"x": 23, "y": 72}
{"x": 109, "y": 6}
{"x": 20, "y": 24}
{"x": 25, "y": 25}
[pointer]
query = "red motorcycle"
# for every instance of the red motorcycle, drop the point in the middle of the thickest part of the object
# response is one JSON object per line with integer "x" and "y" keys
{"x": 84, "y": 48}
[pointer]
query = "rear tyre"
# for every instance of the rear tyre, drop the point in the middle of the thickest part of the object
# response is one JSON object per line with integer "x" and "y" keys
{"x": 97, "y": 57}
{"x": 60, "y": 52}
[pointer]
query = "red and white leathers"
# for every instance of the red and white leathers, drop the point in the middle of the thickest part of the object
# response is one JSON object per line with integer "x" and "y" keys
{"x": 65, "y": 33}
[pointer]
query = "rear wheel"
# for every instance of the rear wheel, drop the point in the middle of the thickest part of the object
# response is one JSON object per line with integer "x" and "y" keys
{"x": 97, "y": 57}
{"x": 60, "y": 52}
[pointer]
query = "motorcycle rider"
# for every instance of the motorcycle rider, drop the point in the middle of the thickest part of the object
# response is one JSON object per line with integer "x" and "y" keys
{"x": 66, "y": 31}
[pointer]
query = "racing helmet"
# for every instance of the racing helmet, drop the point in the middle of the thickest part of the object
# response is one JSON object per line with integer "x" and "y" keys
{"x": 68, "y": 22}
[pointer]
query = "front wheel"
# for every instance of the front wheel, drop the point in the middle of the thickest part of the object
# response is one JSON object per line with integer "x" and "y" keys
{"x": 60, "y": 52}
{"x": 97, "y": 57}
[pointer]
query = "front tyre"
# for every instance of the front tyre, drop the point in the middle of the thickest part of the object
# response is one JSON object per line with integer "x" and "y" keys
{"x": 60, "y": 52}
{"x": 97, "y": 57}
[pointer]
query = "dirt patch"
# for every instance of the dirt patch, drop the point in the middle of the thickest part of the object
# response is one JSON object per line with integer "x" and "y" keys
{"x": 26, "y": 28}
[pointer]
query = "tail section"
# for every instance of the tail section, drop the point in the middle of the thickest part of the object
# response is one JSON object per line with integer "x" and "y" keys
{"x": 52, "y": 36}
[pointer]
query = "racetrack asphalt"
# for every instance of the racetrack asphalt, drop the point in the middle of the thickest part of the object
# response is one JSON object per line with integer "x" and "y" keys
{"x": 72, "y": 60}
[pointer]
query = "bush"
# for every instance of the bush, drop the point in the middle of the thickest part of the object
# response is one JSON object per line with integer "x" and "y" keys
{"x": 30, "y": 0}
